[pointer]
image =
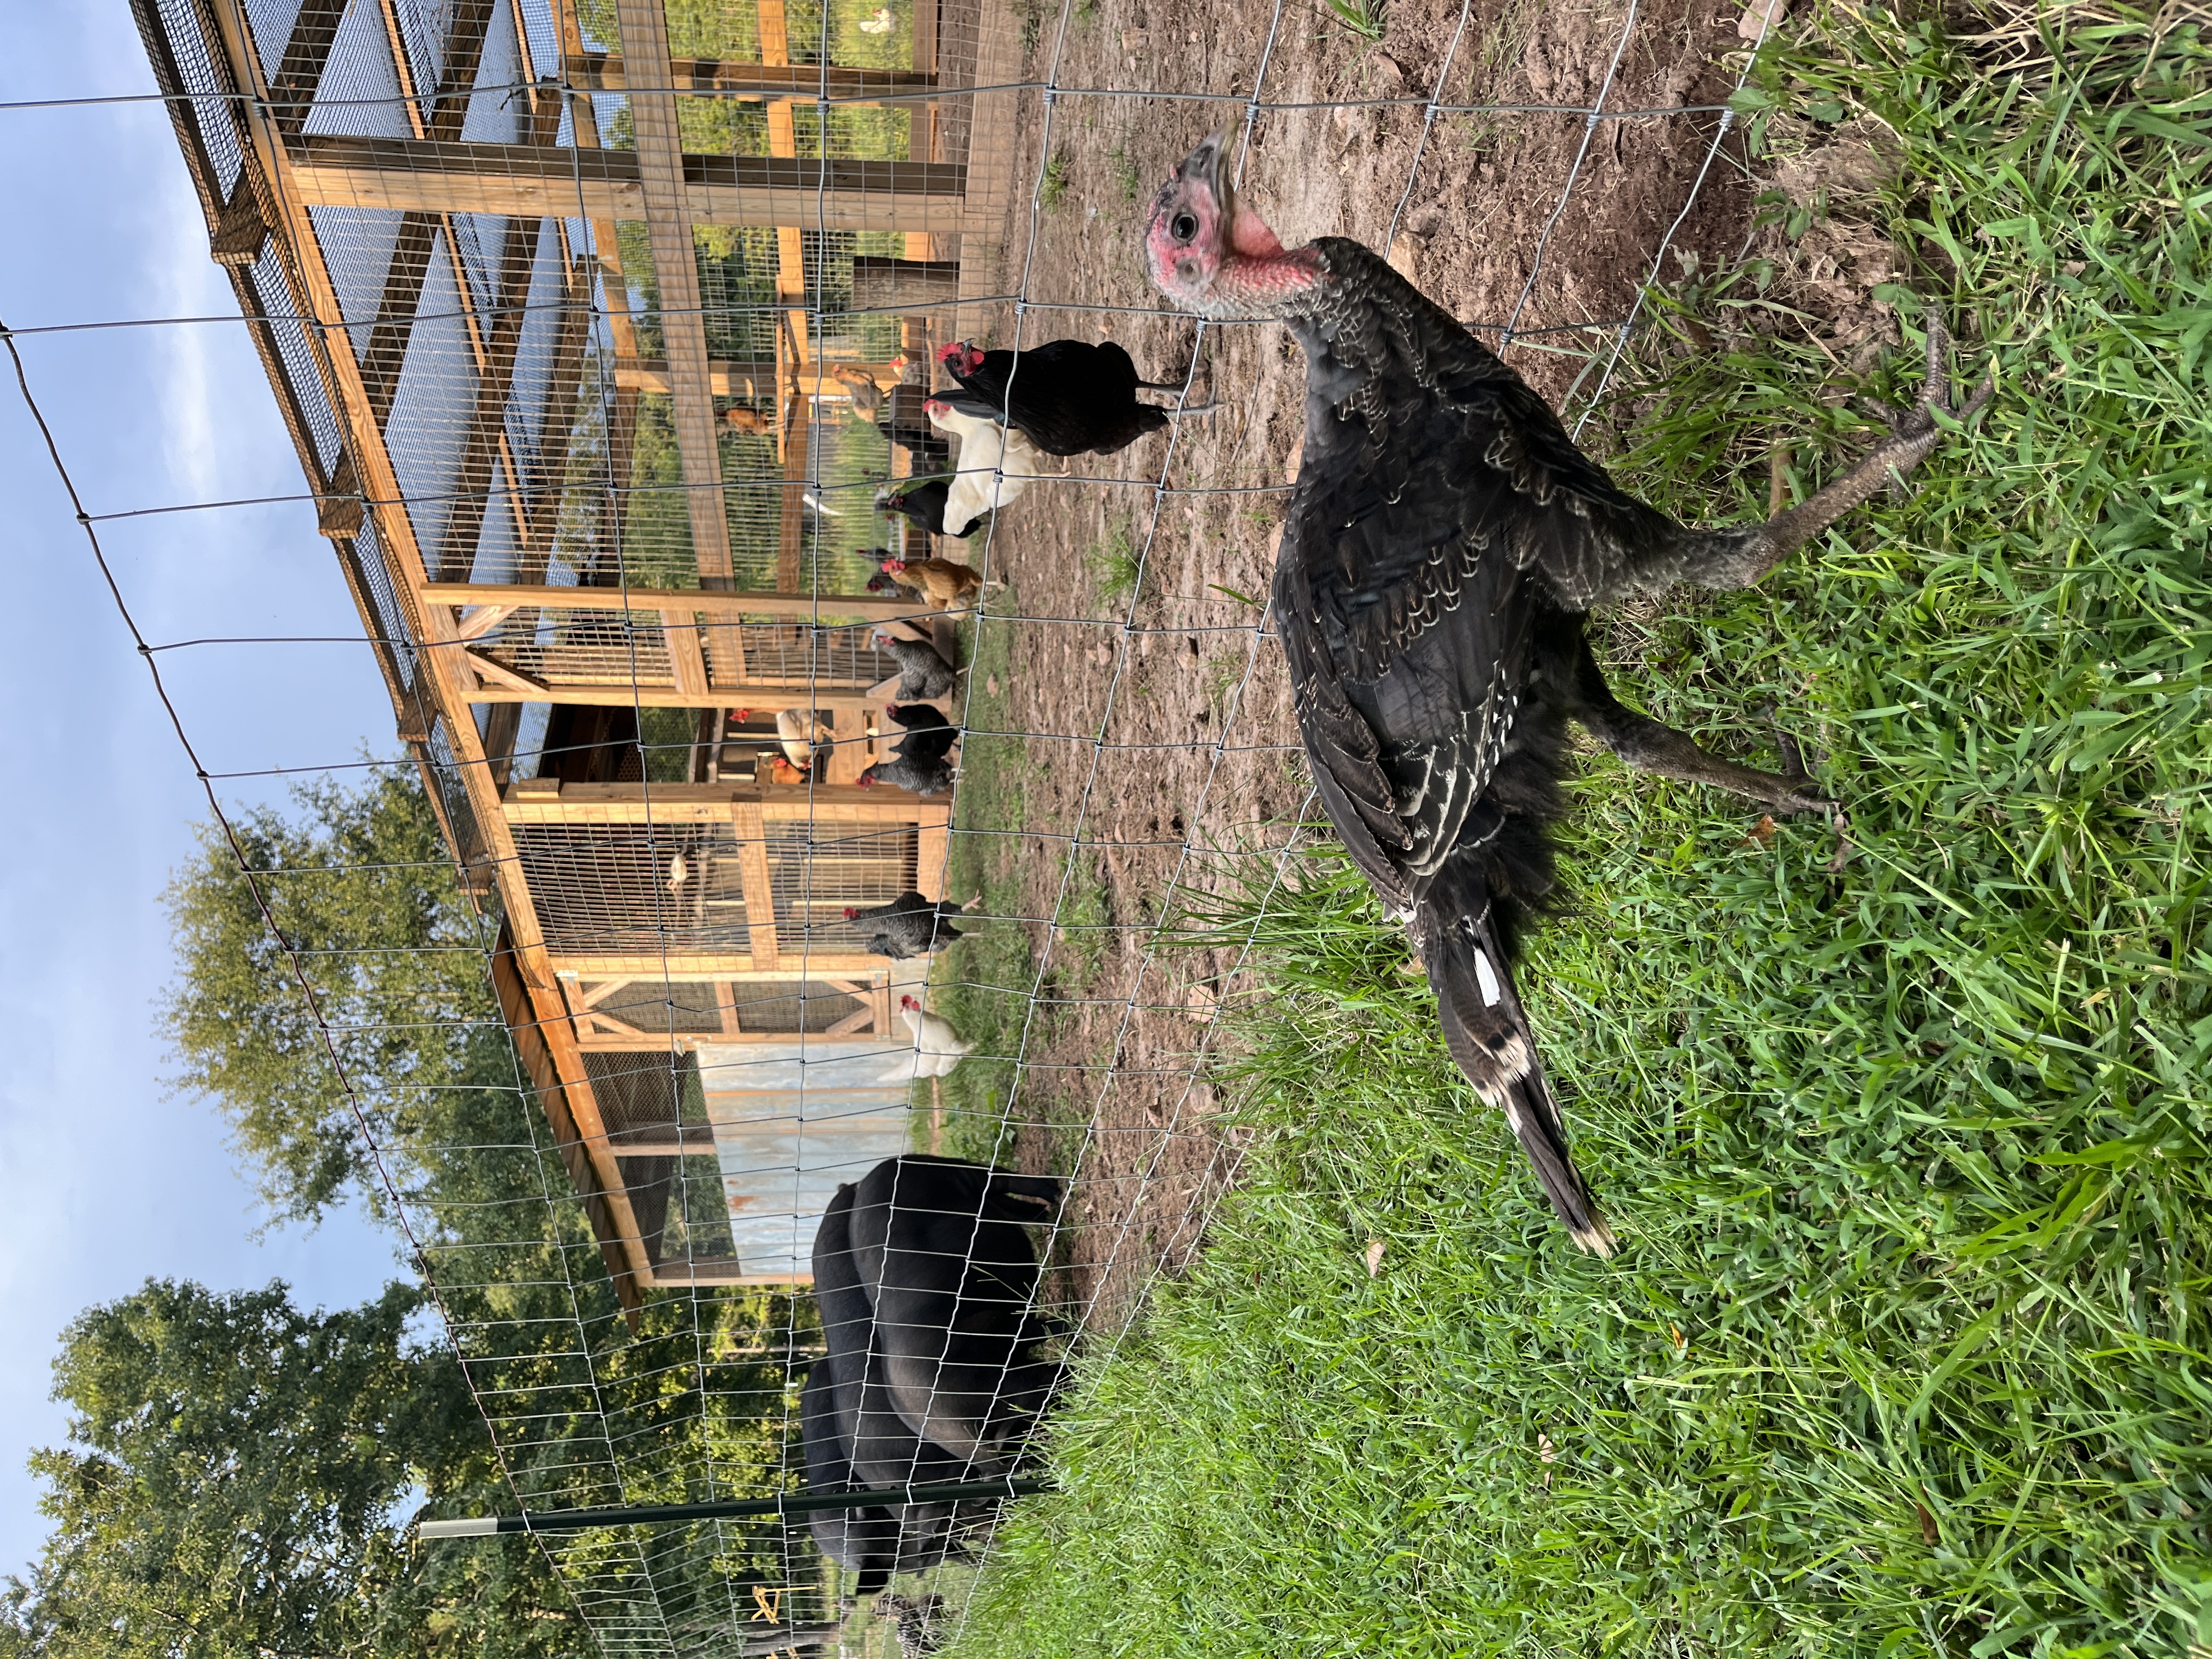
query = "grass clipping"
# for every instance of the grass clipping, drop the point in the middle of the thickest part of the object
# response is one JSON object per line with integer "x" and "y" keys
{"x": 1906, "y": 1350}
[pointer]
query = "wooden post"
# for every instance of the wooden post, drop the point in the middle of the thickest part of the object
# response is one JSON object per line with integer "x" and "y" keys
{"x": 750, "y": 827}
{"x": 536, "y": 1053}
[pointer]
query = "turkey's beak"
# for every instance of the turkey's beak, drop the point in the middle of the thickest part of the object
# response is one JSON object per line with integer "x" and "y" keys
{"x": 1203, "y": 166}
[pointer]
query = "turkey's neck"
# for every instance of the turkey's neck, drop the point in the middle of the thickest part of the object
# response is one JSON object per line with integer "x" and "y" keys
{"x": 1286, "y": 283}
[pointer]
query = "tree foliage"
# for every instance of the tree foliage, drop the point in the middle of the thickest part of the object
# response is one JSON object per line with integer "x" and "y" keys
{"x": 230, "y": 1463}
{"x": 238, "y": 1473}
{"x": 361, "y": 889}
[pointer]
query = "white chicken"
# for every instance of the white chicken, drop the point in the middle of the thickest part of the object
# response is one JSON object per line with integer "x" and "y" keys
{"x": 936, "y": 1046}
{"x": 986, "y": 448}
{"x": 877, "y": 23}
{"x": 804, "y": 736}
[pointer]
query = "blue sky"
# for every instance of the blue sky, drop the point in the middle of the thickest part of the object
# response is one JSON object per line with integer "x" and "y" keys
{"x": 108, "y": 1177}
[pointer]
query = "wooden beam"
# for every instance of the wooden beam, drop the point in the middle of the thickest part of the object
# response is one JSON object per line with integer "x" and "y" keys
{"x": 544, "y": 1074}
{"x": 609, "y": 693}
{"x": 666, "y": 211}
{"x": 526, "y": 180}
{"x": 482, "y": 620}
{"x": 720, "y": 1270}
{"x": 724, "y": 379}
{"x": 529, "y": 801}
{"x": 698, "y": 965}
{"x": 707, "y": 601}
{"x": 677, "y": 968}
{"x": 751, "y": 831}
{"x": 931, "y": 844}
{"x": 486, "y": 439}
{"x": 696, "y": 1140}
{"x": 300, "y": 71}
{"x": 404, "y": 273}
{"x": 740, "y": 378}
{"x": 594, "y": 72}
{"x": 513, "y": 679}
{"x": 686, "y": 658}
{"x": 792, "y": 343}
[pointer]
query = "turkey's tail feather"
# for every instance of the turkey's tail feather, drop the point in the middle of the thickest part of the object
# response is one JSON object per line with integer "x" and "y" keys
{"x": 1487, "y": 1032}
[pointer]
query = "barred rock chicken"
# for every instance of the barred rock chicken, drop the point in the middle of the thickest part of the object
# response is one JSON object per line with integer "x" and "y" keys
{"x": 910, "y": 925}
{"x": 925, "y": 503}
{"x": 1443, "y": 541}
{"x": 915, "y": 1623}
{"x": 918, "y": 764}
{"x": 923, "y": 673}
{"x": 1068, "y": 397}
{"x": 995, "y": 465}
{"x": 945, "y": 583}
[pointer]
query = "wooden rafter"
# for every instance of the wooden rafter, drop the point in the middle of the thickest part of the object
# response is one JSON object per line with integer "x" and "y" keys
{"x": 713, "y": 601}
{"x": 487, "y": 440}
{"x": 418, "y": 175}
{"x": 662, "y": 183}
{"x": 599, "y": 73}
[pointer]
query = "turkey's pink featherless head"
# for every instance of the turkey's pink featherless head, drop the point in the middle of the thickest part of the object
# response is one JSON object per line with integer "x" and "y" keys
{"x": 1212, "y": 256}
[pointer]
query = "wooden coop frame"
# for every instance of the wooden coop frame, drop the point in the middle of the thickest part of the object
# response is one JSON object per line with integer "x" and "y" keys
{"x": 550, "y": 344}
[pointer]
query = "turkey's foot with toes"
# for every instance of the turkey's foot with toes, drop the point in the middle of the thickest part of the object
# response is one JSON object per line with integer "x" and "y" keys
{"x": 1738, "y": 558}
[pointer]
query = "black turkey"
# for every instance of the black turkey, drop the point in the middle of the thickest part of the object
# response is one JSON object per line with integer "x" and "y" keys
{"x": 1442, "y": 547}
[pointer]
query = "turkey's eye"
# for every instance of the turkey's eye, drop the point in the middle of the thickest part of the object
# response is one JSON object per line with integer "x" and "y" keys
{"x": 1184, "y": 227}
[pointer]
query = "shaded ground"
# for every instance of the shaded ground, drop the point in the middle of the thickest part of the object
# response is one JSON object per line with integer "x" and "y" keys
{"x": 1140, "y": 753}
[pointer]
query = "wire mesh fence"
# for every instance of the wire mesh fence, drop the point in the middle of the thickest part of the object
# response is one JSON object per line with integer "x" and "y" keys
{"x": 642, "y": 299}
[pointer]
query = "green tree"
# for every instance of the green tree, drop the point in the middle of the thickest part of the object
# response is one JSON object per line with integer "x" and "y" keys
{"x": 362, "y": 887}
{"x": 230, "y": 1465}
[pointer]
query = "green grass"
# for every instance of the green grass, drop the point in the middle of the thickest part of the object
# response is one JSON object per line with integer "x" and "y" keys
{"x": 1114, "y": 565}
{"x": 1905, "y": 1351}
{"x": 1126, "y": 179}
{"x": 1361, "y": 18}
{"x": 1052, "y": 189}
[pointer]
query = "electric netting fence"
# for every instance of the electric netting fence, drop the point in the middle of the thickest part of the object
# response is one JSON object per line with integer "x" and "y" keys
{"x": 599, "y": 327}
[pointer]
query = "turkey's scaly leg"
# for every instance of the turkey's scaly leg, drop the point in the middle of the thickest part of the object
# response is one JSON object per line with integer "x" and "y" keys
{"x": 1737, "y": 558}
{"x": 1645, "y": 744}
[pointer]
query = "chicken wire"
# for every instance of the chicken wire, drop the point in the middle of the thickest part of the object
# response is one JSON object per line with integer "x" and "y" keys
{"x": 519, "y": 366}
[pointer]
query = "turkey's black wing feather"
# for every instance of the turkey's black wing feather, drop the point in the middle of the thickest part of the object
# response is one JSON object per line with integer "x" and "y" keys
{"x": 1408, "y": 634}
{"x": 1563, "y": 515}
{"x": 1434, "y": 482}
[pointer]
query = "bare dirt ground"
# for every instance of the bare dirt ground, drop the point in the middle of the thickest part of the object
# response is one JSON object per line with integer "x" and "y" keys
{"x": 1152, "y": 748}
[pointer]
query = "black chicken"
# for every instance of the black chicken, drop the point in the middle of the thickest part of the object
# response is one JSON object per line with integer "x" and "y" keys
{"x": 1069, "y": 396}
{"x": 919, "y": 762}
{"x": 910, "y": 925}
{"x": 1444, "y": 540}
{"x": 924, "y": 503}
{"x": 922, "y": 672}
